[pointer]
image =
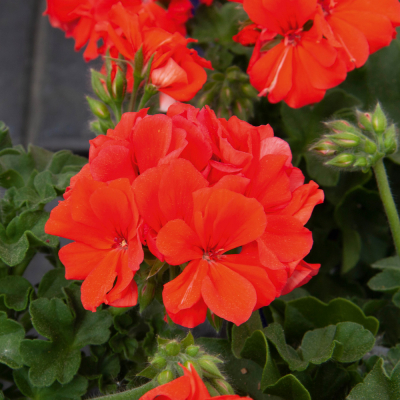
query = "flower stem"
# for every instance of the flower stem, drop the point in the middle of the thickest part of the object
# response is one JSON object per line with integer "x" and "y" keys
{"x": 132, "y": 101}
{"x": 132, "y": 394}
{"x": 388, "y": 202}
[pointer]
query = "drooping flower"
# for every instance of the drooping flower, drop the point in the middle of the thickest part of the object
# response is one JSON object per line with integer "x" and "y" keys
{"x": 187, "y": 387}
{"x": 358, "y": 28}
{"x": 302, "y": 64}
{"x": 102, "y": 219}
{"x": 175, "y": 70}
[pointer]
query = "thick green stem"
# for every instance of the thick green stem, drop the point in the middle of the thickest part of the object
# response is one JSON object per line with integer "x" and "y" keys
{"x": 388, "y": 202}
{"x": 149, "y": 92}
{"x": 129, "y": 394}
{"x": 136, "y": 83}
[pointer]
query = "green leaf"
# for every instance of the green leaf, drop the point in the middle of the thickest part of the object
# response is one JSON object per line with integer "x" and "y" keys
{"x": 386, "y": 281}
{"x": 11, "y": 334}
{"x": 289, "y": 388}
{"x": 361, "y": 218}
{"x": 52, "y": 284}
{"x": 256, "y": 349}
{"x": 23, "y": 232}
{"x": 309, "y": 313}
{"x": 324, "y": 175}
{"x": 16, "y": 291}
{"x": 242, "y": 332}
{"x": 70, "y": 391}
{"x": 5, "y": 140}
{"x": 377, "y": 385}
{"x": 389, "y": 262}
{"x": 69, "y": 329}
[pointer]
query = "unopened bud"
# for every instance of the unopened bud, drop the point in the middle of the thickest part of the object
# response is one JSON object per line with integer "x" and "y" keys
{"x": 190, "y": 365}
{"x": 364, "y": 121}
{"x": 370, "y": 147}
{"x": 379, "y": 121}
{"x": 218, "y": 77}
{"x": 138, "y": 61}
{"x": 159, "y": 362}
{"x": 346, "y": 139}
{"x": 211, "y": 390}
{"x": 119, "y": 85}
{"x": 147, "y": 293}
{"x": 99, "y": 109}
{"x": 209, "y": 369}
{"x": 173, "y": 349}
{"x": 226, "y": 95}
{"x": 325, "y": 147}
{"x": 361, "y": 162}
{"x": 98, "y": 80}
{"x": 233, "y": 73}
{"x": 223, "y": 387}
{"x": 165, "y": 377}
{"x": 390, "y": 140}
{"x": 340, "y": 126}
{"x": 192, "y": 350}
{"x": 96, "y": 128}
{"x": 342, "y": 160}
{"x": 248, "y": 91}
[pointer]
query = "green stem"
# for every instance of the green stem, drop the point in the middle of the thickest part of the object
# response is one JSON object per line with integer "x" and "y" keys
{"x": 149, "y": 92}
{"x": 388, "y": 202}
{"x": 129, "y": 394}
{"x": 136, "y": 83}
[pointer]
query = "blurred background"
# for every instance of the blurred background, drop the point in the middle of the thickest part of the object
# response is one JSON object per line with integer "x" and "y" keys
{"x": 43, "y": 81}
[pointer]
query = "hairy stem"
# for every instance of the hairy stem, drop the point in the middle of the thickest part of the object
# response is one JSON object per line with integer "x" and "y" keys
{"x": 388, "y": 202}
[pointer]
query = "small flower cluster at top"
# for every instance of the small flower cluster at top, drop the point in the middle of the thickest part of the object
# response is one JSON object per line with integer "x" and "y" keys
{"x": 219, "y": 198}
{"x": 304, "y": 47}
{"x": 123, "y": 27}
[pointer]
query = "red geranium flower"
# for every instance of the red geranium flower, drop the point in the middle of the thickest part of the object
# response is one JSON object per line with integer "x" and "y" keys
{"x": 302, "y": 65}
{"x": 175, "y": 69}
{"x": 102, "y": 219}
{"x": 187, "y": 387}
{"x": 359, "y": 27}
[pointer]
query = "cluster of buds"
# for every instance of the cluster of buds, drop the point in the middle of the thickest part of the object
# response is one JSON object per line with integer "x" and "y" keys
{"x": 229, "y": 93}
{"x": 165, "y": 365}
{"x": 358, "y": 147}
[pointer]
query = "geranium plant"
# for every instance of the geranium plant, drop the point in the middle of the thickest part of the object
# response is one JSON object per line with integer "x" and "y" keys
{"x": 225, "y": 232}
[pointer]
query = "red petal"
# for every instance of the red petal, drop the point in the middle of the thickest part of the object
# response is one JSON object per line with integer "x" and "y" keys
{"x": 190, "y": 317}
{"x": 301, "y": 275}
{"x": 178, "y": 242}
{"x": 228, "y": 295}
{"x": 128, "y": 297}
{"x": 184, "y": 291}
{"x": 178, "y": 389}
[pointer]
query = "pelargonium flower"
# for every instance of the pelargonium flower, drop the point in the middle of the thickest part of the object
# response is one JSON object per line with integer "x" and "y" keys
{"x": 83, "y": 19}
{"x": 302, "y": 65}
{"x": 175, "y": 70}
{"x": 358, "y": 28}
{"x": 102, "y": 219}
{"x": 187, "y": 387}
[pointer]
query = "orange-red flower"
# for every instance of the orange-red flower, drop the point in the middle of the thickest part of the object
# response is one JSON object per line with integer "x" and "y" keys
{"x": 359, "y": 27}
{"x": 83, "y": 19}
{"x": 175, "y": 70}
{"x": 102, "y": 219}
{"x": 187, "y": 387}
{"x": 302, "y": 65}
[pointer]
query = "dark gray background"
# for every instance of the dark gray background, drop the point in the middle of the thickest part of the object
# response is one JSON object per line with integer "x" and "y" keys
{"x": 43, "y": 81}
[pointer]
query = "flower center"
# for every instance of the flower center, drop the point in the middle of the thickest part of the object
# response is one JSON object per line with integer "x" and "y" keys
{"x": 120, "y": 243}
{"x": 293, "y": 37}
{"x": 327, "y": 6}
{"x": 212, "y": 255}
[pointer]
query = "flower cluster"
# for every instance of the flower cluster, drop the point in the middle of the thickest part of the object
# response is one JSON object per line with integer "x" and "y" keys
{"x": 187, "y": 387}
{"x": 302, "y": 48}
{"x": 192, "y": 188}
{"x": 125, "y": 27}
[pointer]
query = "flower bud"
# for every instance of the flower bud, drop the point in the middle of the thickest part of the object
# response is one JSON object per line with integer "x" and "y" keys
{"x": 173, "y": 349}
{"x": 248, "y": 91}
{"x": 364, "y": 121}
{"x": 159, "y": 362}
{"x": 192, "y": 350}
{"x": 211, "y": 390}
{"x": 218, "y": 77}
{"x": 226, "y": 95}
{"x": 390, "y": 140}
{"x": 223, "y": 387}
{"x": 165, "y": 377}
{"x": 138, "y": 63}
{"x": 99, "y": 109}
{"x": 232, "y": 73}
{"x": 96, "y": 128}
{"x": 209, "y": 368}
{"x": 147, "y": 293}
{"x": 343, "y": 160}
{"x": 379, "y": 121}
{"x": 97, "y": 80}
{"x": 361, "y": 162}
{"x": 119, "y": 85}
{"x": 340, "y": 126}
{"x": 370, "y": 147}
{"x": 193, "y": 365}
{"x": 325, "y": 147}
{"x": 345, "y": 139}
